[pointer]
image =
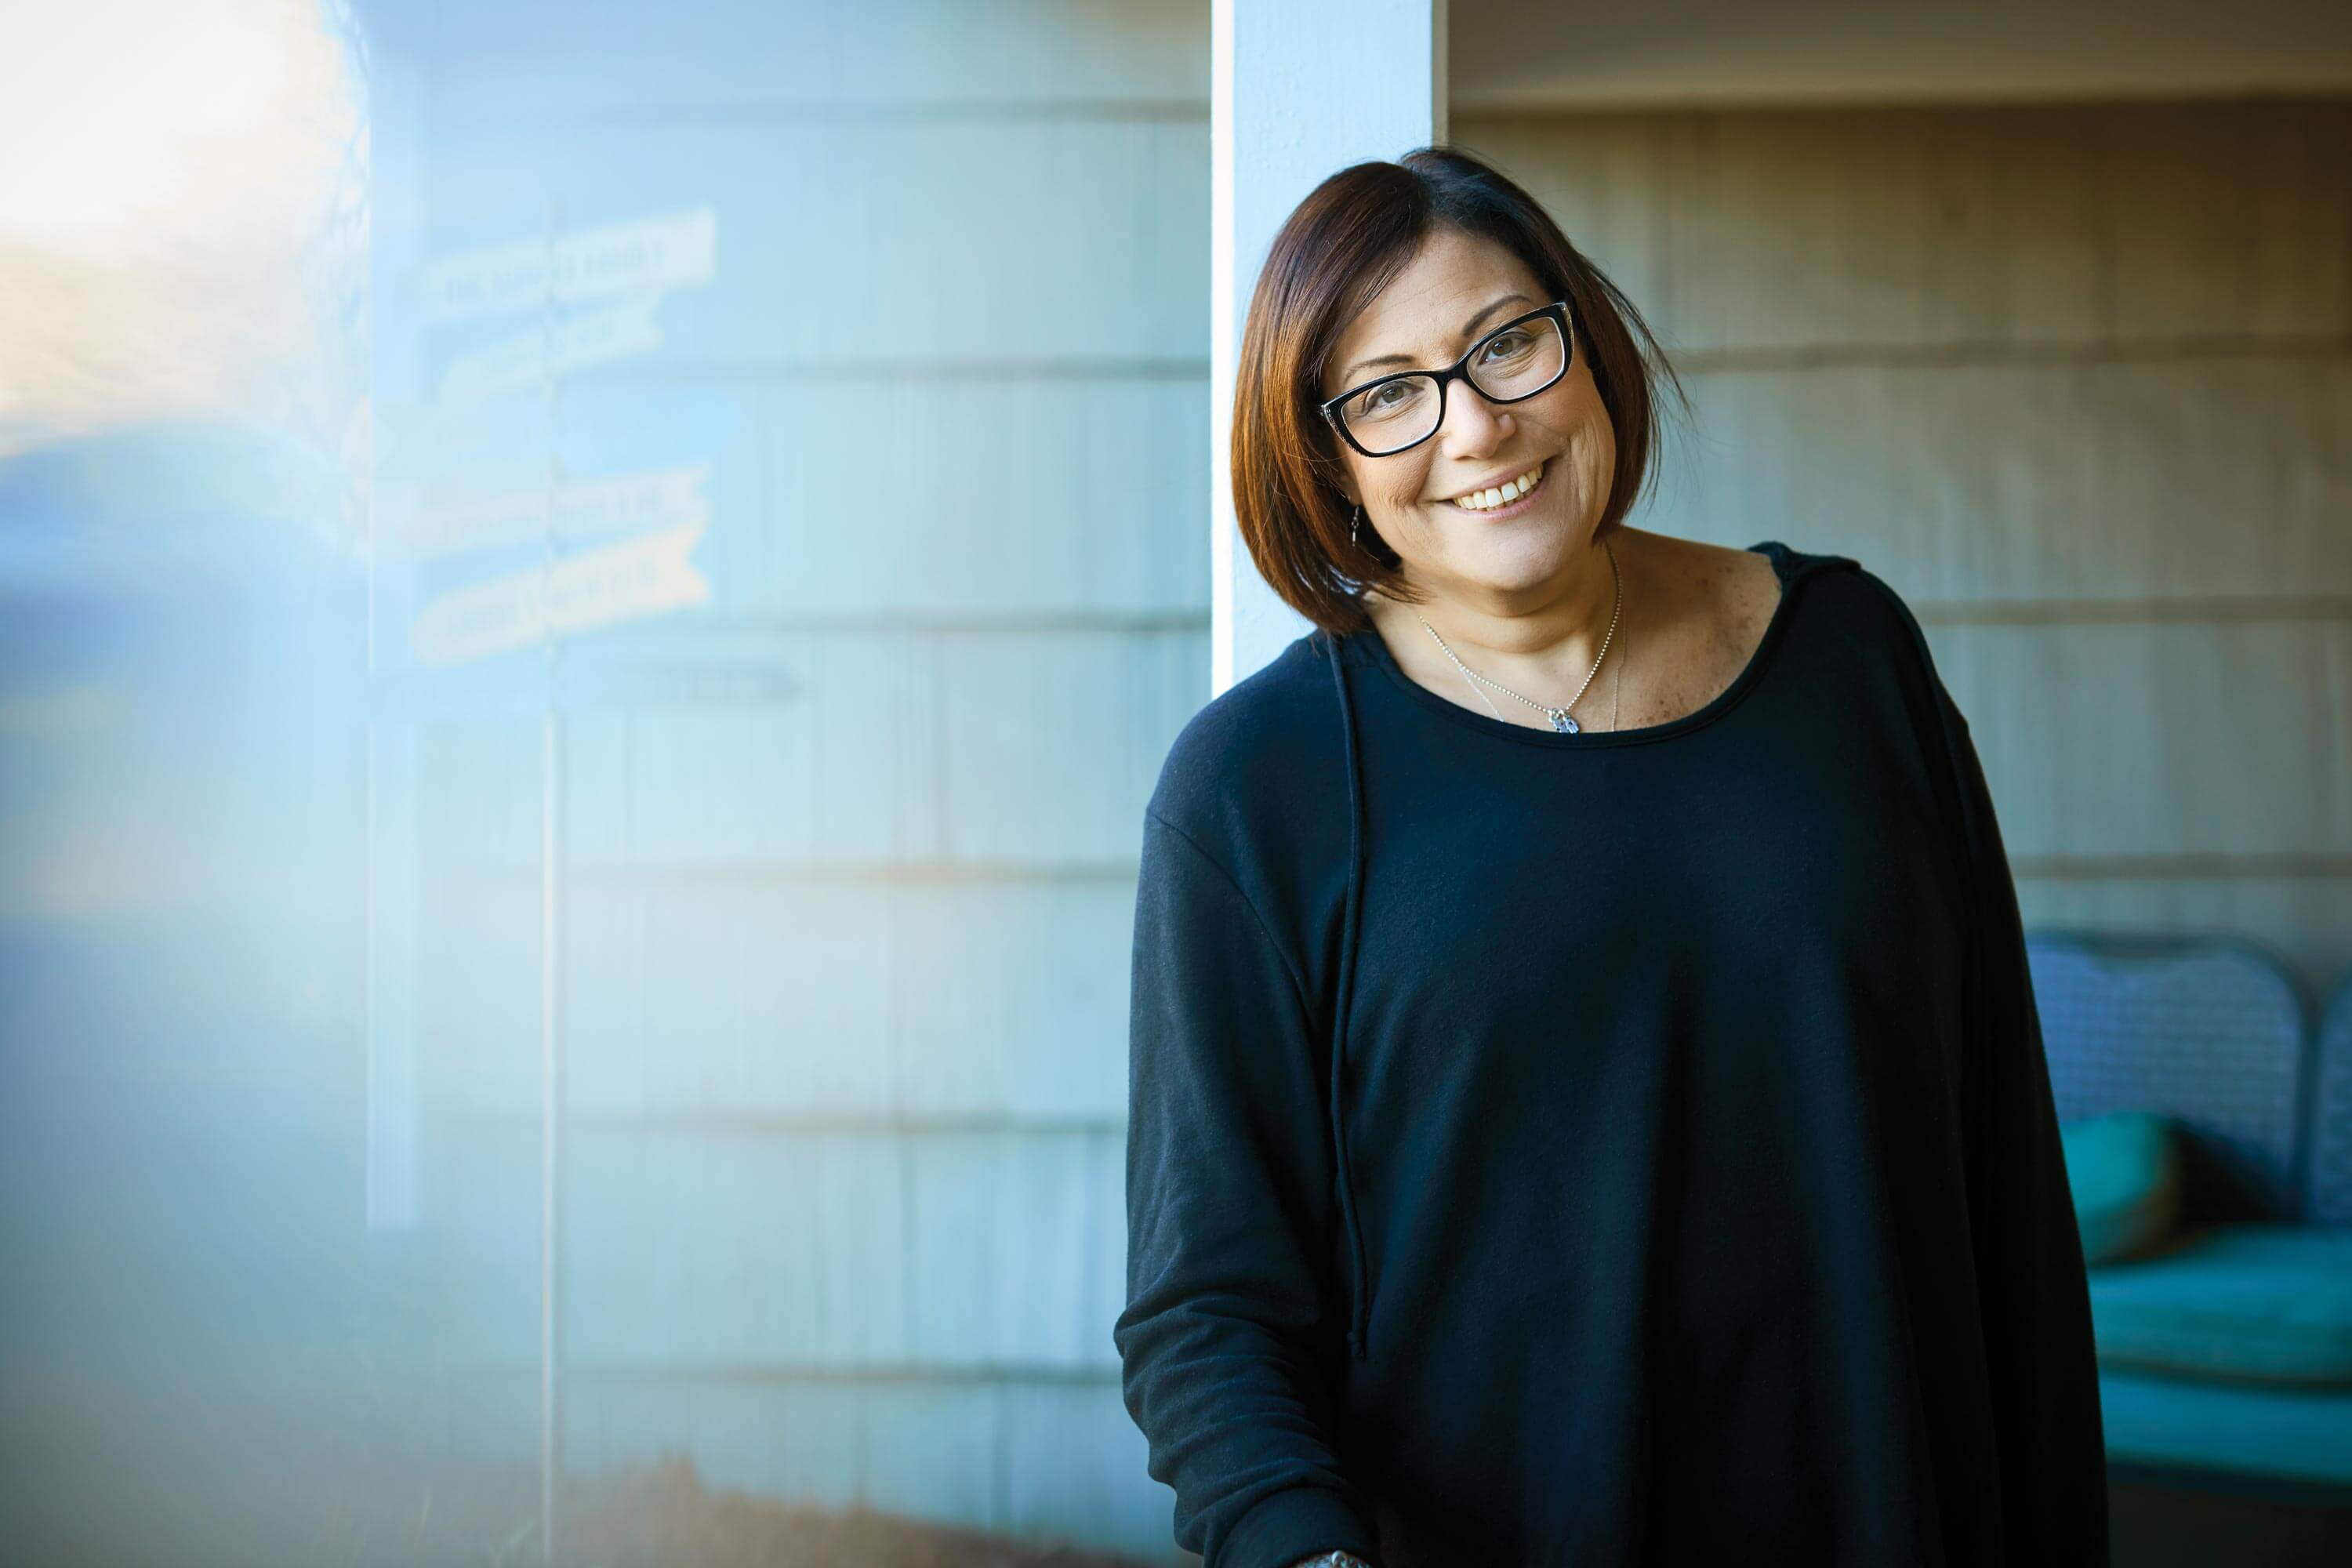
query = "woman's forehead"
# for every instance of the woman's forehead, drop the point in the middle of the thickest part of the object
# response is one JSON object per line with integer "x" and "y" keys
{"x": 1426, "y": 310}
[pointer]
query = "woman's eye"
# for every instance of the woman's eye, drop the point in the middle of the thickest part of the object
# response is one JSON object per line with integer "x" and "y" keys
{"x": 1510, "y": 342}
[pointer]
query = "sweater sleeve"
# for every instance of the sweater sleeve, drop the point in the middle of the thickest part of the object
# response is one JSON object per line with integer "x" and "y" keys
{"x": 1230, "y": 1201}
{"x": 2033, "y": 1297}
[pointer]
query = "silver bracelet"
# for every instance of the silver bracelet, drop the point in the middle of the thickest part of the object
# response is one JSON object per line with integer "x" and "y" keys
{"x": 1333, "y": 1558}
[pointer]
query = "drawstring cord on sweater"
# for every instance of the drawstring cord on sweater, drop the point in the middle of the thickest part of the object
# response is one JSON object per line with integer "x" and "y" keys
{"x": 1358, "y": 1310}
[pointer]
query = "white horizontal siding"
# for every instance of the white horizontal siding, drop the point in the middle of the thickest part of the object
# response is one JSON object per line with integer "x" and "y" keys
{"x": 796, "y": 1252}
{"x": 1037, "y": 747}
{"x": 869, "y": 244}
{"x": 536, "y": 61}
{"x": 998, "y": 493}
{"x": 847, "y": 884}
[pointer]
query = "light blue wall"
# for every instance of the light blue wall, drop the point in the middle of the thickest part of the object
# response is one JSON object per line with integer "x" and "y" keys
{"x": 848, "y": 849}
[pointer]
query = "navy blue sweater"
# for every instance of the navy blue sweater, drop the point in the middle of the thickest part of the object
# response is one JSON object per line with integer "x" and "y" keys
{"x": 1603, "y": 1148}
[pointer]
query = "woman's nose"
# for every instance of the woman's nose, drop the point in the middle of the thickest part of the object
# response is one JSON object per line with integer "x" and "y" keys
{"x": 1472, "y": 423}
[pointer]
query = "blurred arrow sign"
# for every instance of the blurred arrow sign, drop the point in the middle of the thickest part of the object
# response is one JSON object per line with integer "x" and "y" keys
{"x": 643, "y": 255}
{"x": 638, "y": 578}
{"x": 583, "y": 510}
{"x": 527, "y": 358}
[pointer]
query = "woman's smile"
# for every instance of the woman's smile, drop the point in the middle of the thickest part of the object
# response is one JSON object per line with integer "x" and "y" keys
{"x": 1503, "y": 502}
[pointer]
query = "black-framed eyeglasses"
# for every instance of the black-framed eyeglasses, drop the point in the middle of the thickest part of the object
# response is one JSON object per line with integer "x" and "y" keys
{"x": 1509, "y": 365}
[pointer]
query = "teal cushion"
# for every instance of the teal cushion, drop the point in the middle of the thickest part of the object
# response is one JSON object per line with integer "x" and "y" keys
{"x": 2125, "y": 1171}
{"x": 2247, "y": 1428}
{"x": 2252, "y": 1302}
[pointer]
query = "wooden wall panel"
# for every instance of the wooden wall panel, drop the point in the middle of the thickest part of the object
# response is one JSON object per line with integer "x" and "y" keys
{"x": 2076, "y": 381}
{"x": 1835, "y": 230}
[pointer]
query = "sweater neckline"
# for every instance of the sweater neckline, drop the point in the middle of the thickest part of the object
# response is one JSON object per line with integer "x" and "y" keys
{"x": 1784, "y": 566}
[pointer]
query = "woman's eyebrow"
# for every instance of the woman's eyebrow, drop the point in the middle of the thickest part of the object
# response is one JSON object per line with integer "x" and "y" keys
{"x": 1468, "y": 327}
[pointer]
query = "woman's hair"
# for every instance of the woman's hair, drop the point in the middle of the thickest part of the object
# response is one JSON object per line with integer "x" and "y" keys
{"x": 1335, "y": 253}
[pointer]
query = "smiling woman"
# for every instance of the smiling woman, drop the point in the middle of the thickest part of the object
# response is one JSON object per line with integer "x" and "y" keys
{"x": 1333, "y": 307}
{"x": 1474, "y": 511}
{"x": 1556, "y": 1143}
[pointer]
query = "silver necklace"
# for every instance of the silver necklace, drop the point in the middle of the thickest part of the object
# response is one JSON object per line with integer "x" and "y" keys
{"x": 1562, "y": 719}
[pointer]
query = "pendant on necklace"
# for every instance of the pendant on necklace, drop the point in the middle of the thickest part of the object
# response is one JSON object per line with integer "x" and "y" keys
{"x": 1563, "y": 722}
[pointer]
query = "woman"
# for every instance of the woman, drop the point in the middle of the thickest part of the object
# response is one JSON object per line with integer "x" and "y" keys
{"x": 1587, "y": 1104}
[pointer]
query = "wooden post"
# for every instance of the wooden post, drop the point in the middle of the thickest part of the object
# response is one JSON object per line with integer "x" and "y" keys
{"x": 1298, "y": 90}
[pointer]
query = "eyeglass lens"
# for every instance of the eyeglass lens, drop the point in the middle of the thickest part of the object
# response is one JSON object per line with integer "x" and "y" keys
{"x": 1392, "y": 414}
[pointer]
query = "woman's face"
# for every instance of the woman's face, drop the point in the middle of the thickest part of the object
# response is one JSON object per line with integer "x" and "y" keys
{"x": 1454, "y": 292}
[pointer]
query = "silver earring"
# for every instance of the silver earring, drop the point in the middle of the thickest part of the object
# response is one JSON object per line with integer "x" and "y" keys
{"x": 1357, "y": 524}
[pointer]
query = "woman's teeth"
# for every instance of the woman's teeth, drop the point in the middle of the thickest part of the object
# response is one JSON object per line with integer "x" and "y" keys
{"x": 1502, "y": 494}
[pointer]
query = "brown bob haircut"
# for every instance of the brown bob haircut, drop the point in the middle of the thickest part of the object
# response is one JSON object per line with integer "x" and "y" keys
{"x": 1335, "y": 253}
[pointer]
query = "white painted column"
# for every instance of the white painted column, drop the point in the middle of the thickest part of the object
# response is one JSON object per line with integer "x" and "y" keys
{"x": 1298, "y": 90}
